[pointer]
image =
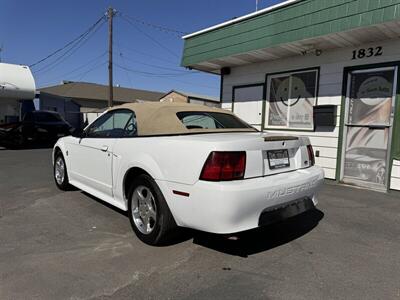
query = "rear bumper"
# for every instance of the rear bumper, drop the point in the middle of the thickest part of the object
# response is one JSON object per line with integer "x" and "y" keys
{"x": 286, "y": 210}
{"x": 229, "y": 207}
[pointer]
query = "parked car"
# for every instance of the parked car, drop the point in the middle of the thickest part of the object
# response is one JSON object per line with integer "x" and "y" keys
{"x": 188, "y": 165}
{"x": 36, "y": 127}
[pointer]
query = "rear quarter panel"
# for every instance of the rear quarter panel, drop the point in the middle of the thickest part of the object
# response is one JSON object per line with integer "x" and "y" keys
{"x": 164, "y": 158}
{"x": 181, "y": 158}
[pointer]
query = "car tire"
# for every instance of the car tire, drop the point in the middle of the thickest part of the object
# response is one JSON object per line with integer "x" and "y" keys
{"x": 149, "y": 214}
{"x": 20, "y": 142}
{"x": 60, "y": 173}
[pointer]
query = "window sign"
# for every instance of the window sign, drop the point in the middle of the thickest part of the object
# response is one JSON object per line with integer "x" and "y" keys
{"x": 290, "y": 100}
{"x": 371, "y": 98}
{"x": 278, "y": 100}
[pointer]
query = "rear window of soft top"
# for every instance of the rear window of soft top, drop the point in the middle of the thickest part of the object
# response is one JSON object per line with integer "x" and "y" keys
{"x": 210, "y": 120}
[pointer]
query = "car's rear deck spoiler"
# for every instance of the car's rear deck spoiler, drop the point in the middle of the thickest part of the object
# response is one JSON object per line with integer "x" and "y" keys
{"x": 275, "y": 138}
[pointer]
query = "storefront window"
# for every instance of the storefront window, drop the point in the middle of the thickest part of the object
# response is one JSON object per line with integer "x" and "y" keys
{"x": 290, "y": 100}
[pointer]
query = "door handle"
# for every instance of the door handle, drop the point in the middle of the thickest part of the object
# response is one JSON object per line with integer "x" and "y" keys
{"x": 104, "y": 148}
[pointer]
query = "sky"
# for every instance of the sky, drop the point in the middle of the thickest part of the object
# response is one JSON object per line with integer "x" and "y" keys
{"x": 147, "y": 55}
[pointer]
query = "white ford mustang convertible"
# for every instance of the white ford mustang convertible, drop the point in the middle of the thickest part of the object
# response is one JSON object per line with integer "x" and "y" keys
{"x": 172, "y": 165}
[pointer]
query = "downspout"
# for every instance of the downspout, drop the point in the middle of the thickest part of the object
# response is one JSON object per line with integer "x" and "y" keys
{"x": 221, "y": 88}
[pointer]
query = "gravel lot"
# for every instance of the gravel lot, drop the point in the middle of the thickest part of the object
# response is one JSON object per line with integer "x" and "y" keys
{"x": 69, "y": 245}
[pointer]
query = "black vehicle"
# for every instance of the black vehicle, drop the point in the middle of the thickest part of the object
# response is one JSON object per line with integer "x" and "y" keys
{"x": 37, "y": 127}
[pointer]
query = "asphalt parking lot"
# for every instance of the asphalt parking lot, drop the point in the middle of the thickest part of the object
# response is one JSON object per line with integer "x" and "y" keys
{"x": 69, "y": 245}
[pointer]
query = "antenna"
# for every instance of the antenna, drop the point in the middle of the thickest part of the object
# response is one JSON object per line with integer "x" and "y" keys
{"x": 256, "y": 5}
{"x": 1, "y": 49}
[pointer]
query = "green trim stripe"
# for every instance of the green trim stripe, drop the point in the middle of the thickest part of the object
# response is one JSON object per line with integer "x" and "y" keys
{"x": 302, "y": 20}
{"x": 396, "y": 125}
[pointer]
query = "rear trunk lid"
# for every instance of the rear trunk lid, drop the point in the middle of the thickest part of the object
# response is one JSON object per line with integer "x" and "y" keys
{"x": 283, "y": 154}
{"x": 266, "y": 154}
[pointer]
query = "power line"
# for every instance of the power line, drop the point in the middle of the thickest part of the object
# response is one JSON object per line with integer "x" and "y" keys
{"x": 68, "y": 44}
{"x": 165, "y": 77}
{"x": 192, "y": 84}
{"x": 82, "y": 75}
{"x": 123, "y": 61}
{"x": 147, "y": 54}
{"x": 182, "y": 70}
{"x": 92, "y": 69}
{"x": 73, "y": 46}
{"x": 73, "y": 49}
{"x": 151, "y": 74}
{"x": 149, "y": 36}
{"x": 156, "y": 26}
{"x": 63, "y": 76}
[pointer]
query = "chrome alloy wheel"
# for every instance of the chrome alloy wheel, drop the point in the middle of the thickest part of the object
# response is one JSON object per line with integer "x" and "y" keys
{"x": 59, "y": 170}
{"x": 144, "y": 210}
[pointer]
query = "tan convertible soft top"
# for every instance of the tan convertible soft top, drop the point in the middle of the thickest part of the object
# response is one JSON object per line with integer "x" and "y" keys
{"x": 159, "y": 118}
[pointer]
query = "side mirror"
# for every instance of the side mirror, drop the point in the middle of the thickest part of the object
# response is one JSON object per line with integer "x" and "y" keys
{"x": 78, "y": 133}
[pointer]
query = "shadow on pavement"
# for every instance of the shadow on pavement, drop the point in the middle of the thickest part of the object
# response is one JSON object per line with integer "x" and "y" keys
{"x": 261, "y": 239}
{"x": 180, "y": 236}
{"x": 244, "y": 243}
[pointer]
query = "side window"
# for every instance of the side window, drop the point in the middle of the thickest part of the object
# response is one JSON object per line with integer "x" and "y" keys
{"x": 131, "y": 127}
{"x": 102, "y": 127}
{"x": 120, "y": 121}
{"x": 111, "y": 125}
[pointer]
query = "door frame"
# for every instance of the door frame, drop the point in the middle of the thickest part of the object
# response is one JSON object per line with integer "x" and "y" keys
{"x": 259, "y": 84}
{"x": 394, "y": 125}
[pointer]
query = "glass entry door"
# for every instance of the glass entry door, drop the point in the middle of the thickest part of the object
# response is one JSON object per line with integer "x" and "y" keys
{"x": 368, "y": 126}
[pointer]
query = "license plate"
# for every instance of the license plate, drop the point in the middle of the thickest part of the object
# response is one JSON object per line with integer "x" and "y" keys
{"x": 278, "y": 159}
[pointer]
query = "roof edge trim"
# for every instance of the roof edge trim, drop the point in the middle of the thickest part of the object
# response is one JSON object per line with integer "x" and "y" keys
{"x": 248, "y": 16}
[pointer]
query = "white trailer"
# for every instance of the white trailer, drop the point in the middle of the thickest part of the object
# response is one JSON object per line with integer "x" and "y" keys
{"x": 16, "y": 84}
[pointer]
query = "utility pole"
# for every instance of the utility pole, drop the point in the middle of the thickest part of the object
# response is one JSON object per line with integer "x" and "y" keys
{"x": 110, "y": 14}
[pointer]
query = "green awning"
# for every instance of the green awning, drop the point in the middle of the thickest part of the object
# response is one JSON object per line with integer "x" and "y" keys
{"x": 299, "y": 21}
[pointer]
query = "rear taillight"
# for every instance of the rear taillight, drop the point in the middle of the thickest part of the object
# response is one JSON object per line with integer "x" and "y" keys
{"x": 223, "y": 166}
{"x": 311, "y": 157}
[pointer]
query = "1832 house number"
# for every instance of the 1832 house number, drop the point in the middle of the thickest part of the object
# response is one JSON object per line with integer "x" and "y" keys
{"x": 367, "y": 52}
